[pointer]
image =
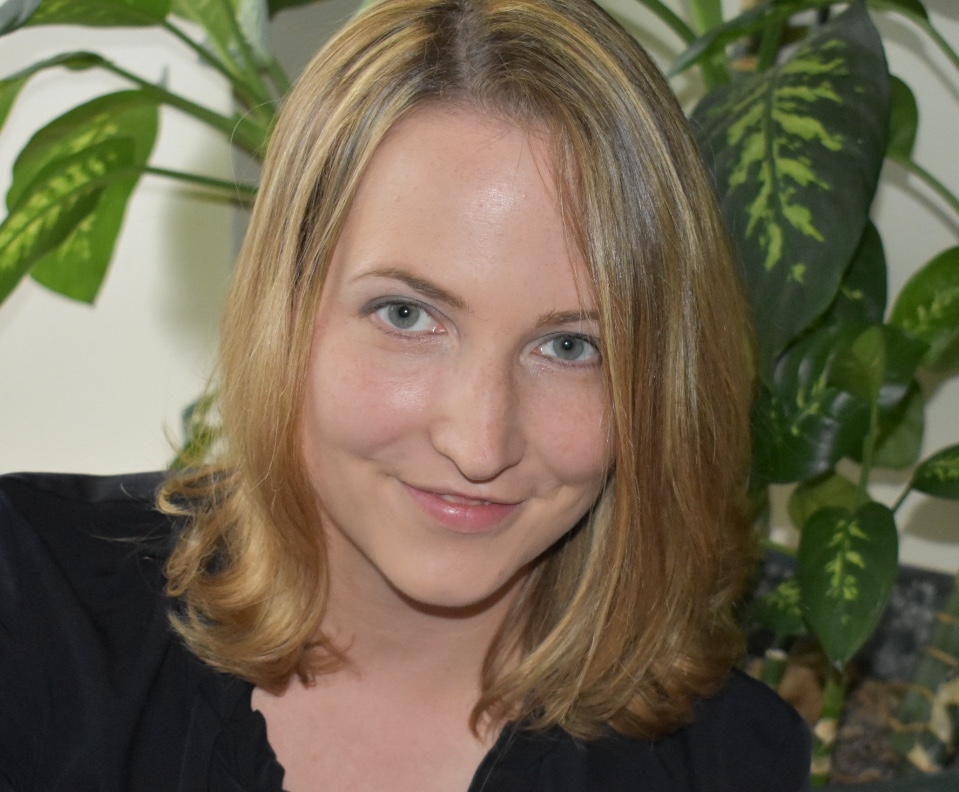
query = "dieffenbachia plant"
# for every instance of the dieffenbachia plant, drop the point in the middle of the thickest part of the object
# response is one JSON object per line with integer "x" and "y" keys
{"x": 72, "y": 180}
{"x": 796, "y": 143}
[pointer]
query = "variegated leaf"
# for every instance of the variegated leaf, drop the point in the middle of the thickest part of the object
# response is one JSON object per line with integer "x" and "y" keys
{"x": 797, "y": 152}
{"x": 928, "y": 307}
{"x": 73, "y": 261}
{"x": 900, "y": 431}
{"x": 223, "y": 21}
{"x": 862, "y": 292}
{"x": 847, "y": 566}
{"x": 59, "y": 199}
{"x": 804, "y": 423}
{"x": 101, "y": 13}
{"x": 939, "y": 475}
{"x": 779, "y": 610}
{"x": 828, "y": 490}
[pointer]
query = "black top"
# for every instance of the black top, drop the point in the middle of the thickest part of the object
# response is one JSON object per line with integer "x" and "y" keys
{"x": 97, "y": 693}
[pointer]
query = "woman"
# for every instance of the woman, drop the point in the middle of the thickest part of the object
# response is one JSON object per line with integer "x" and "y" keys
{"x": 477, "y": 520}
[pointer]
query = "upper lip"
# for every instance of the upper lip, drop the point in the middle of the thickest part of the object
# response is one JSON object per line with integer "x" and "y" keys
{"x": 480, "y": 497}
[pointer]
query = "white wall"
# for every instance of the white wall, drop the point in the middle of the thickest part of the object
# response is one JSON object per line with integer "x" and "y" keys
{"x": 916, "y": 226}
{"x": 96, "y": 390}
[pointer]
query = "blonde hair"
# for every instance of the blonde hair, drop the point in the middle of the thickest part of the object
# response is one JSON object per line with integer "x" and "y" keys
{"x": 625, "y": 620}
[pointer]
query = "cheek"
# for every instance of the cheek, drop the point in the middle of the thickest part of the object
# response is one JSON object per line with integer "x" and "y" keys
{"x": 360, "y": 401}
{"x": 569, "y": 428}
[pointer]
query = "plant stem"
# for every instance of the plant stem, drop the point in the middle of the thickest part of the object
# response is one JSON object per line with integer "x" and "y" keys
{"x": 253, "y": 66}
{"x": 769, "y": 43}
{"x": 671, "y": 19}
{"x": 774, "y": 664}
{"x": 940, "y": 40}
{"x": 931, "y": 181}
{"x": 707, "y": 14}
{"x": 825, "y": 731}
{"x": 281, "y": 79}
{"x": 245, "y": 92}
{"x": 901, "y": 498}
{"x": 868, "y": 452}
{"x": 242, "y": 194}
{"x": 243, "y": 132}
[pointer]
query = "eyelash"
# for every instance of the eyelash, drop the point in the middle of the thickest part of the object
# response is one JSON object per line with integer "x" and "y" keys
{"x": 593, "y": 360}
{"x": 398, "y": 302}
{"x": 377, "y": 306}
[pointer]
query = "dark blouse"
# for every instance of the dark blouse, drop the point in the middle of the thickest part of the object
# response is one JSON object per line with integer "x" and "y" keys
{"x": 97, "y": 692}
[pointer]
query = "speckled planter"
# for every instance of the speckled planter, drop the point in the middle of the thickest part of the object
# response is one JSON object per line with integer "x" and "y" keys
{"x": 947, "y": 781}
{"x": 890, "y": 656}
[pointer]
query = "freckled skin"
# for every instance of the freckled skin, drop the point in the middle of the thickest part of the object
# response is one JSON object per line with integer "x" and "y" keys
{"x": 479, "y": 397}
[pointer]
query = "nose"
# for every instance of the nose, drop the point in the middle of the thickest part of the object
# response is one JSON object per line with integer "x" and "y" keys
{"x": 477, "y": 424}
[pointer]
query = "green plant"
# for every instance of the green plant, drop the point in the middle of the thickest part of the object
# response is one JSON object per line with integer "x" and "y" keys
{"x": 797, "y": 116}
{"x": 72, "y": 180}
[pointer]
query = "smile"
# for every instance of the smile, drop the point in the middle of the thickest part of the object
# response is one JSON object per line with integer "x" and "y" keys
{"x": 461, "y": 513}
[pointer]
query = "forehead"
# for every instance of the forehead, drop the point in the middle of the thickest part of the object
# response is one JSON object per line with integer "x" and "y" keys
{"x": 452, "y": 185}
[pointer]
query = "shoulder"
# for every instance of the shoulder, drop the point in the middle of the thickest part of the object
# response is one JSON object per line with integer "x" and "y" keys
{"x": 743, "y": 738}
{"x": 82, "y": 616}
{"x": 86, "y": 536}
{"x": 58, "y": 500}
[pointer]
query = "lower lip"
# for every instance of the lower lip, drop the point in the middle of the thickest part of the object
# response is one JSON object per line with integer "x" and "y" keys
{"x": 474, "y": 517}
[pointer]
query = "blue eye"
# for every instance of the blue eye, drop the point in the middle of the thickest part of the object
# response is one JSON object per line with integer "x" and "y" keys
{"x": 570, "y": 349}
{"x": 406, "y": 316}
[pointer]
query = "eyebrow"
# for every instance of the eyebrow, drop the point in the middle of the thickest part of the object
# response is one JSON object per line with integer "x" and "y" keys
{"x": 554, "y": 318}
{"x": 421, "y": 285}
{"x": 429, "y": 289}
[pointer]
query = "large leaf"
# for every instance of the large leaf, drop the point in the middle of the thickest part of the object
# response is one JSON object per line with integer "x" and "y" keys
{"x": 928, "y": 306}
{"x": 779, "y": 610}
{"x": 796, "y": 152}
{"x": 11, "y": 86}
{"x": 101, "y": 13}
{"x": 904, "y": 354}
{"x": 73, "y": 261}
{"x": 9, "y": 90}
{"x": 275, "y": 6}
{"x": 900, "y": 431}
{"x": 939, "y": 475}
{"x": 860, "y": 368}
{"x": 58, "y": 200}
{"x": 862, "y": 292}
{"x": 803, "y": 422}
{"x": 903, "y": 119}
{"x": 830, "y": 490}
{"x": 911, "y": 8}
{"x": 847, "y": 566}
{"x": 14, "y": 13}
{"x": 224, "y": 22}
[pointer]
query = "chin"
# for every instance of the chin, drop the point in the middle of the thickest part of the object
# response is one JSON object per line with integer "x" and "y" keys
{"x": 465, "y": 598}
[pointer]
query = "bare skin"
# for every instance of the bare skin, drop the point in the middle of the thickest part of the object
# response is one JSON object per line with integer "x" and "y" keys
{"x": 397, "y": 717}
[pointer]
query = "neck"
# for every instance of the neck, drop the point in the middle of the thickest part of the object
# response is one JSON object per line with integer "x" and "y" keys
{"x": 385, "y": 633}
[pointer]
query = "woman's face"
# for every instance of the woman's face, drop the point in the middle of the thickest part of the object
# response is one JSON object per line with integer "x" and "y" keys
{"x": 455, "y": 421}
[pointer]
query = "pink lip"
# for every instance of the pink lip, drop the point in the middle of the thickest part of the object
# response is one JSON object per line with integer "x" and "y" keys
{"x": 464, "y": 514}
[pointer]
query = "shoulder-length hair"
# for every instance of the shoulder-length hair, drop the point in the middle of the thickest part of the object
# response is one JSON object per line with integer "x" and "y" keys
{"x": 628, "y": 618}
